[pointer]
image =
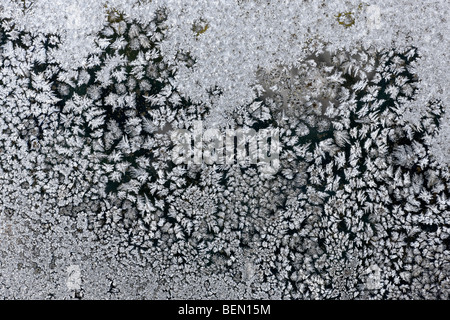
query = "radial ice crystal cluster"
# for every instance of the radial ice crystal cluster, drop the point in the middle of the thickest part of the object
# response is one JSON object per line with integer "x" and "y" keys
{"x": 94, "y": 205}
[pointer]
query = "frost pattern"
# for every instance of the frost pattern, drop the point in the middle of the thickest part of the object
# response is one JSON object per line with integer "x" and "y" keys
{"x": 89, "y": 96}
